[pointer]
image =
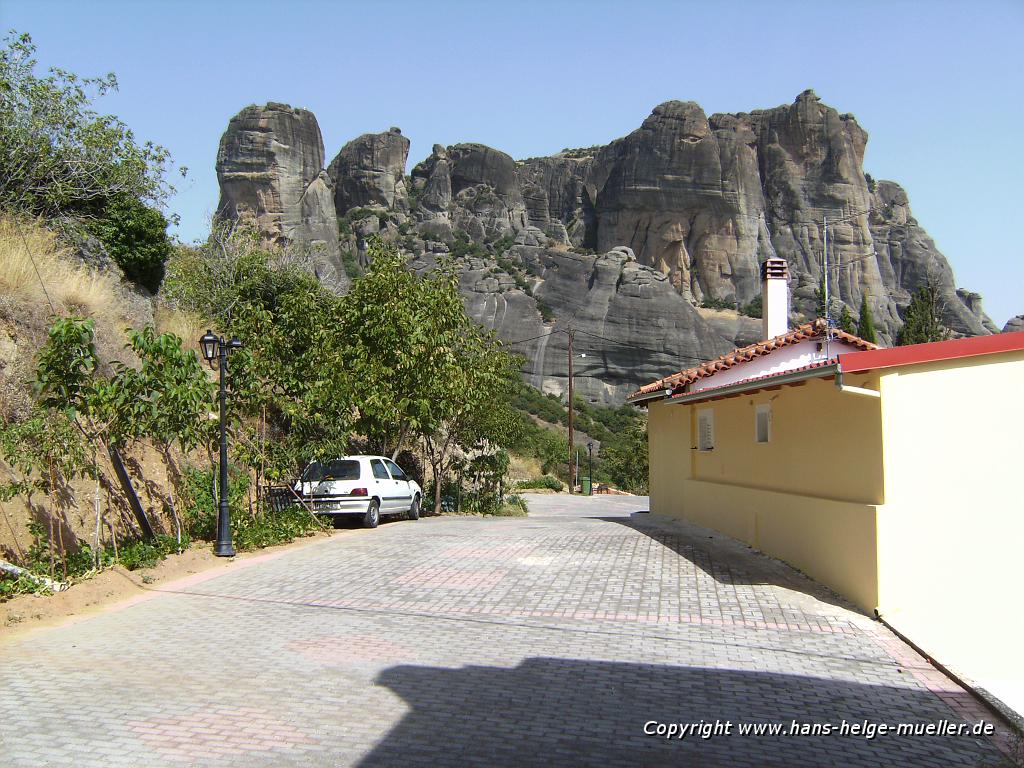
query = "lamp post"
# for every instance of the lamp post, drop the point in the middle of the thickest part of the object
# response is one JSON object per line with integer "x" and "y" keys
{"x": 214, "y": 346}
{"x": 590, "y": 465}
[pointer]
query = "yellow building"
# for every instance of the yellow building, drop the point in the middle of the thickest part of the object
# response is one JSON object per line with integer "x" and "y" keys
{"x": 888, "y": 474}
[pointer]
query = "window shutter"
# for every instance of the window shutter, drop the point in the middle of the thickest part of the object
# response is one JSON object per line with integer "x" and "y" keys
{"x": 763, "y": 424}
{"x": 706, "y": 430}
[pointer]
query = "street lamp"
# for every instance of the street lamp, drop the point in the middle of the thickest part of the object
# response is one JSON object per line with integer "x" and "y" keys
{"x": 590, "y": 465}
{"x": 214, "y": 346}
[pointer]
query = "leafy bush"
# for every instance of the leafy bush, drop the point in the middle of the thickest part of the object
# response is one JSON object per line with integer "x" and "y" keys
{"x": 514, "y": 506}
{"x": 249, "y": 530}
{"x": 135, "y": 236}
{"x": 143, "y": 554}
{"x": 544, "y": 481}
{"x": 463, "y": 247}
{"x": 753, "y": 308}
{"x": 502, "y": 244}
{"x": 713, "y": 303}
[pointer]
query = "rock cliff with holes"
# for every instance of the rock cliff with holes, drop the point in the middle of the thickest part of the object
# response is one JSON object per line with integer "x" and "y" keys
{"x": 648, "y": 246}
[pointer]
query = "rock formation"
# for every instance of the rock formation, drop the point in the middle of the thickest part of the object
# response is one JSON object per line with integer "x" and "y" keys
{"x": 370, "y": 170}
{"x": 270, "y": 166}
{"x": 650, "y": 244}
{"x": 705, "y": 200}
{"x": 631, "y": 325}
{"x": 1014, "y": 324}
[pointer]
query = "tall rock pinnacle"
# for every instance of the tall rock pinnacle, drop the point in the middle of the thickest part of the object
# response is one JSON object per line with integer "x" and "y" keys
{"x": 270, "y": 166}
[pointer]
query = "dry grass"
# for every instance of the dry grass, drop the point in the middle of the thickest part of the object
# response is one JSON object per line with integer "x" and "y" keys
{"x": 523, "y": 468}
{"x": 36, "y": 269}
{"x": 185, "y": 325}
{"x": 41, "y": 278}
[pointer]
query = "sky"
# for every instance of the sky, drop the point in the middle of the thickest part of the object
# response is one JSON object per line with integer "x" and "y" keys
{"x": 936, "y": 84}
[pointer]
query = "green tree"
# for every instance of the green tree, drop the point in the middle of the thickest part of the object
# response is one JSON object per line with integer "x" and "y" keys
{"x": 626, "y": 461}
{"x": 58, "y": 154}
{"x": 397, "y": 338}
{"x": 166, "y": 399}
{"x": 45, "y": 452}
{"x": 819, "y": 298}
{"x": 291, "y": 376}
{"x": 290, "y": 380}
{"x": 846, "y": 322}
{"x": 65, "y": 366}
{"x": 420, "y": 366}
{"x": 921, "y": 321}
{"x": 865, "y": 325}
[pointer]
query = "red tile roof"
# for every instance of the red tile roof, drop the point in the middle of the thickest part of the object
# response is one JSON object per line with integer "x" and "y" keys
{"x": 711, "y": 393}
{"x": 804, "y": 332}
{"x": 932, "y": 352}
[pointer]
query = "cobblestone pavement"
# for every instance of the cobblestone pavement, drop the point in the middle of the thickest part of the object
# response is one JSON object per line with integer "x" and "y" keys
{"x": 551, "y": 640}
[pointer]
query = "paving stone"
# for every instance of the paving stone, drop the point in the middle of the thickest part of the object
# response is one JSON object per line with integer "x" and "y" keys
{"x": 462, "y": 641}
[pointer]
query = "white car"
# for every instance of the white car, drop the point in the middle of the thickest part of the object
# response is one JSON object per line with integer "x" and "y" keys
{"x": 368, "y": 486}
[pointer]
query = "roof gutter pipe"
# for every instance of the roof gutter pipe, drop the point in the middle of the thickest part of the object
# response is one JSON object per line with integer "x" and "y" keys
{"x": 853, "y": 390}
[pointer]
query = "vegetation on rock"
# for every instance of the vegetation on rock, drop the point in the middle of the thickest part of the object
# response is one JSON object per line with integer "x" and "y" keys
{"x": 922, "y": 319}
{"x": 865, "y": 324}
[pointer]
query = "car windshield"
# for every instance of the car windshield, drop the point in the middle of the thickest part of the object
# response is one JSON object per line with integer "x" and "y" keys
{"x": 338, "y": 469}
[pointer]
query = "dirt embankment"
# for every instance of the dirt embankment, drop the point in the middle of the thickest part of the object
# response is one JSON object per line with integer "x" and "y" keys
{"x": 117, "y": 585}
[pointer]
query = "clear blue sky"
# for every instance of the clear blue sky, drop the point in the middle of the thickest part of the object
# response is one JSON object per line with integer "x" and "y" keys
{"x": 936, "y": 84}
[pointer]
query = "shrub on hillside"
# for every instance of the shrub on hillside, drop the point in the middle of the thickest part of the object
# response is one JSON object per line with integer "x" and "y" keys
{"x": 135, "y": 236}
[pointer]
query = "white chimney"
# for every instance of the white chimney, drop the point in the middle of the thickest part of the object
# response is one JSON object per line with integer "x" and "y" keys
{"x": 774, "y": 298}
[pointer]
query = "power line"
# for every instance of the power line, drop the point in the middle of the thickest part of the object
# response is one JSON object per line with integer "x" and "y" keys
{"x": 534, "y": 338}
{"x": 666, "y": 353}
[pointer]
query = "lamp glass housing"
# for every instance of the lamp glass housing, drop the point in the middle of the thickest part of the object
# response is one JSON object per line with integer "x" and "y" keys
{"x": 209, "y": 343}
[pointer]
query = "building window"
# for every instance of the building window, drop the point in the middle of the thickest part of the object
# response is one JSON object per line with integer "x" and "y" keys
{"x": 706, "y": 430}
{"x": 763, "y": 424}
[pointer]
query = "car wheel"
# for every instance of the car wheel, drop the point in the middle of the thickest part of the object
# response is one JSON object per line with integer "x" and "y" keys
{"x": 372, "y": 516}
{"x": 414, "y": 510}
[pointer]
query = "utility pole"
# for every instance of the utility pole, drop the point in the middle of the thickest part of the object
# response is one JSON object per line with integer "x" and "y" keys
{"x": 824, "y": 264}
{"x": 572, "y": 332}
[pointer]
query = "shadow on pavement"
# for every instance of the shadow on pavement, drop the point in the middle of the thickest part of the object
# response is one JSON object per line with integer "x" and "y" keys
{"x": 731, "y": 561}
{"x": 550, "y": 711}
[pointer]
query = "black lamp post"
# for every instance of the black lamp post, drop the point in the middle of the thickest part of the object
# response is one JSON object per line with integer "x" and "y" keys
{"x": 590, "y": 465}
{"x": 214, "y": 346}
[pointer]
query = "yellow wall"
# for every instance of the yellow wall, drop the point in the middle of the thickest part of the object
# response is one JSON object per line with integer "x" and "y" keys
{"x": 824, "y": 443}
{"x": 951, "y": 537}
{"x": 831, "y": 541}
{"x": 668, "y": 436}
{"x": 806, "y": 497}
{"x": 927, "y": 525}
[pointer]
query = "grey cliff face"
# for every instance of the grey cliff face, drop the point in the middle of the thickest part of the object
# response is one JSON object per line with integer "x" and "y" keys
{"x": 271, "y": 174}
{"x": 1014, "y": 324}
{"x": 705, "y": 200}
{"x": 687, "y": 199}
{"x": 635, "y": 241}
{"x": 630, "y": 322}
{"x": 370, "y": 170}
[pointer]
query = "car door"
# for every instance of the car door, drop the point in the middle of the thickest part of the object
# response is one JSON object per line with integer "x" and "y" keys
{"x": 403, "y": 489}
{"x": 383, "y": 486}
